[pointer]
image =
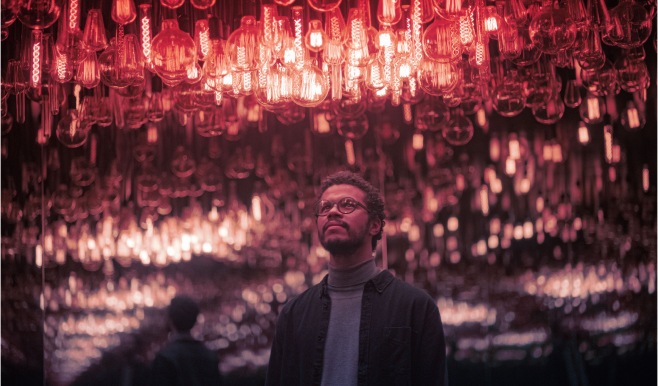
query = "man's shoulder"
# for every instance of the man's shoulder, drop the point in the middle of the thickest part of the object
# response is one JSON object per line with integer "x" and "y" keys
{"x": 310, "y": 294}
{"x": 401, "y": 287}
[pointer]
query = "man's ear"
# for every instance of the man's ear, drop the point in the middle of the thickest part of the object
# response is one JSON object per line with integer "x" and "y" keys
{"x": 375, "y": 226}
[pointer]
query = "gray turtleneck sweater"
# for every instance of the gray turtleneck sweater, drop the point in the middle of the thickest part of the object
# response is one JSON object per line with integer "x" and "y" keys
{"x": 341, "y": 351}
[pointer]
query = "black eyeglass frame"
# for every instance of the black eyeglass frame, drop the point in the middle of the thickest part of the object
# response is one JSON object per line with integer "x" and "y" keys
{"x": 318, "y": 205}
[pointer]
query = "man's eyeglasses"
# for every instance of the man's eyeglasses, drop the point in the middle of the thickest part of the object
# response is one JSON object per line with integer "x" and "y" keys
{"x": 346, "y": 205}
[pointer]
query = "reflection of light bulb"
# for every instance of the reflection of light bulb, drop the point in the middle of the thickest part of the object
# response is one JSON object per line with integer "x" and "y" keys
{"x": 38, "y": 14}
{"x": 324, "y": 5}
{"x": 459, "y": 129}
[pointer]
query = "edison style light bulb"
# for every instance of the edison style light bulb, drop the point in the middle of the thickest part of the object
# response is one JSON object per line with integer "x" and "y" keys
{"x": 441, "y": 41}
{"x": 94, "y": 34}
{"x": 173, "y": 53}
{"x": 451, "y": 9}
{"x": 88, "y": 74}
{"x": 243, "y": 44}
{"x": 389, "y": 12}
{"x": 309, "y": 86}
{"x": 356, "y": 39}
{"x": 630, "y": 24}
{"x": 552, "y": 29}
{"x": 173, "y": 4}
{"x": 316, "y": 38}
{"x": 123, "y": 11}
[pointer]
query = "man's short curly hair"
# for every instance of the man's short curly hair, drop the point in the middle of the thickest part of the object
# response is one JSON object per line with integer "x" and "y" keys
{"x": 374, "y": 199}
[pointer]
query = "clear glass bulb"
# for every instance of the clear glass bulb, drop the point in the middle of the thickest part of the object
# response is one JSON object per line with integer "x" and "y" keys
{"x": 552, "y": 29}
{"x": 243, "y": 45}
{"x": 94, "y": 33}
{"x": 173, "y": 53}
{"x": 309, "y": 86}
{"x": 389, "y": 12}
{"x": 630, "y": 24}
{"x": 123, "y": 11}
{"x": 441, "y": 41}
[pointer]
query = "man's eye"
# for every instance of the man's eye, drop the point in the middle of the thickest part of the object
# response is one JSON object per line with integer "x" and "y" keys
{"x": 349, "y": 204}
{"x": 325, "y": 207}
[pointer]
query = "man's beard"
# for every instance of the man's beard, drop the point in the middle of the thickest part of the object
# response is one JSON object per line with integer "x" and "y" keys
{"x": 343, "y": 246}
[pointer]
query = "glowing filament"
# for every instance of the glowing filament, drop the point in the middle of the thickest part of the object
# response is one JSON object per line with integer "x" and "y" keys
{"x": 204, "y": 42}
{"x": 146, "y": 38}
{"x": 315, "y": 40}
{"x": 36, "y": 61}
{"x": 74, "y": 13}
{"x": 645, "y": 178}
{"x": 466, "y": 34}
{"x": 299, "y": 41}
{"x": 491, "y": 24}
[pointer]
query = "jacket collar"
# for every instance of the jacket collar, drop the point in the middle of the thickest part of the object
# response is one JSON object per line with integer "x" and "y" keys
{"x": 380, "y": 282}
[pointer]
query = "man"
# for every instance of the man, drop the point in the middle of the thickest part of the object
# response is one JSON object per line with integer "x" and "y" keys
{"x": 184, "y": 361}
{"x": 360, "y": 325}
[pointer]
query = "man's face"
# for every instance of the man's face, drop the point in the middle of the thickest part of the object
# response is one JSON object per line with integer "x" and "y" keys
{"x": 341, "y": 233}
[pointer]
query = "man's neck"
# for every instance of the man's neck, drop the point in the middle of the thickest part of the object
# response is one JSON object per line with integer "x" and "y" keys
{"x": 350, "y": 260}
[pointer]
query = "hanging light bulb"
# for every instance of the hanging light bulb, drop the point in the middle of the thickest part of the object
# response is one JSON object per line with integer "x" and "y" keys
{"x": 630, "y": 24}
{"x": 146, "y": 33}
{"x": 243, "y": 45}
{"x": 309, "y": 86}
{"x": 88, "y": 73}
{"x": 173, "y": 53}
{"x": 123, "y": 11}
{"x": 202, "y": 38}
{"x": 441, "y": 41}
{"x": 356, "y": 39}
{"x": 316, "y": 38}
{"x": 94, "y": 33}
{"x": 388, "y": 12}
{"x": 552, "y": 29}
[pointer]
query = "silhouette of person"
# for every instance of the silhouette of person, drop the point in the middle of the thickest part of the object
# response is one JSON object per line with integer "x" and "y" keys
{"x": 184, "y": 361}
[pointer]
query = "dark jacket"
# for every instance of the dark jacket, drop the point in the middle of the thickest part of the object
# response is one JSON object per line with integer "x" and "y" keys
{"x": 401, "y": 339}
{"x": 185, "y": 362}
